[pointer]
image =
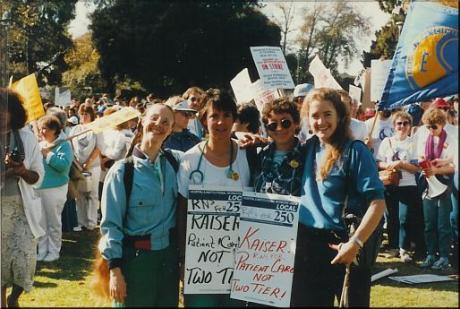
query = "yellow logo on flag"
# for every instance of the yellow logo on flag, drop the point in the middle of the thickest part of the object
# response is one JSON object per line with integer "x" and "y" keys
{"x": 27, "y": 88}
{"x": 432, "y": 57}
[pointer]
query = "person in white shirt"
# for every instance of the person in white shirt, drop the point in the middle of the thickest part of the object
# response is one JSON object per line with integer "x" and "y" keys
{"x": 217, "y": 161}
{"x": 398, "y": 152}
{"x": 382, "y": 128}
{"x": 358, "y": 127}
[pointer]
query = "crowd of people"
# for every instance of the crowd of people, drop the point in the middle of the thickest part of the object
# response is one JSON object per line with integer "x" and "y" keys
{"x": 132, "y": 181}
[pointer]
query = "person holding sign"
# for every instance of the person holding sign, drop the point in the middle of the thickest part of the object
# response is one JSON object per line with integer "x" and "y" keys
{"x": 281, "y": 162}
{"x": 137, "y": 242}
{"x": 335, "y": 170}
{"x": 216, "y": 161}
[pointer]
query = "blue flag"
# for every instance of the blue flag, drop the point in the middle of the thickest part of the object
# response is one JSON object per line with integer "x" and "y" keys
{"x": 425, "y": 64}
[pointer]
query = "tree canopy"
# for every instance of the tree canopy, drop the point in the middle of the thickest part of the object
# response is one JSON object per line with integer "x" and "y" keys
{"x": 171, "y": 45}
{"x": 37, "y": 37}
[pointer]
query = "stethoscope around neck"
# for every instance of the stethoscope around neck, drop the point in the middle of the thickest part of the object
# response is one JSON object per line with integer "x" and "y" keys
{"x": 197, "y": 176}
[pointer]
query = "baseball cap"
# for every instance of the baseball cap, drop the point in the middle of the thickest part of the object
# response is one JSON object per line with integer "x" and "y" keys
{"x": 182, "y": 106}
{"x": 73, "y": 120}
{"x": 302, "y": 90}
{"x": 440, "y": 103}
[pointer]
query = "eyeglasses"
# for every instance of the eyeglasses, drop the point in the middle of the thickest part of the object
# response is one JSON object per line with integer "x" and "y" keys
{"x": 432, "y": 126}
{"x": 285, "y": 124}
{"x": 193, "y": 99}
{"x": 402, "y": 123}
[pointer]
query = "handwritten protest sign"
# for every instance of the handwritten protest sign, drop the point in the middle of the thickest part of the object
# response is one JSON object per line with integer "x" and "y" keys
{"x": 355, "y": 93}
{"x": 272, "y": 67}
{"x": 242, "y": 86}
{"x": 27, "y": 87}
{"x": 212, "y": 239}
{"x": 380, "y": 69}
{"x": 322, "y": 75}
{"x": 112, "y": 120}
{"x": 263, "y": 95}
{"x": 265, "y": 257}
{"x": 62, "y": 96}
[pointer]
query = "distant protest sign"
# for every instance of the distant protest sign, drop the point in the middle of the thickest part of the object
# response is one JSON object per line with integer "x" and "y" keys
{"x": 272, "y": 67}
{"x": 355, "y": 93}
{"x": 62, "y": 96}
{"x": 242, "y": 86}
{"x": 263, "y": 95}
{"x": 211, "y": 239}
{"x": 380, "y": 69}
{"x": 322, "y": 75}
{"x": 112, "y": 120}
{"x": 265, "y": 257}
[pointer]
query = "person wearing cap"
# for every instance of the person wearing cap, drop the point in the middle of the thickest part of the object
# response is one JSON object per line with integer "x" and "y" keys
{"x": 181, "y": 138}
{"x": 194, "y": 96}
{"x": 300, "y": 92}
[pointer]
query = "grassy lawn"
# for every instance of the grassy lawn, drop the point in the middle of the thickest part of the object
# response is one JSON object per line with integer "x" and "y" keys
{"x": 65, "y": 283}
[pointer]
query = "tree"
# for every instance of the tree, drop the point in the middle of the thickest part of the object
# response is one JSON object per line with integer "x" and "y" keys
{"x": 170, "y": 45}
{"x": 285, "y": 22}
{"x": 329, "y": 31}
{"x": 83, "y": 71}
{"x": 37, "y": 37}
{"x": 384, "y": 45}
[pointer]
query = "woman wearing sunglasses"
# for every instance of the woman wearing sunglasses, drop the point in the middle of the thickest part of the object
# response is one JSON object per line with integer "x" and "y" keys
{"x": 181, "y": 138}
{"x": 398, "y": 153}
{"x": 281, "y": 162}
{"x": 335, "y": 171}
{"x": 439, "y": 150}
{"x": 216, "y": 161}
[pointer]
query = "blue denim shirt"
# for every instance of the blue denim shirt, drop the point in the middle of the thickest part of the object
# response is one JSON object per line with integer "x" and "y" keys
{"x": 322, "y": 201}
{"x": 182, "y": 141}
{"x": 151, "y": 208}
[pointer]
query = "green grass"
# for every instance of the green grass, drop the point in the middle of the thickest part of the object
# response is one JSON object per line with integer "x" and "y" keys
{"x": 65, "y": 283}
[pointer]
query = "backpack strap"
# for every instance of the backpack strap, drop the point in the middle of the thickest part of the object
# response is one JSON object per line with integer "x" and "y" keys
{"x": 171, "y": 159}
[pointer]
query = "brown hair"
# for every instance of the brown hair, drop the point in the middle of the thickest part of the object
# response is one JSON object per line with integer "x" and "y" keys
{"x": 280, "y": 106}
{"x": 87, "y": 108}
{"x": 11, "y": 103}
{"x": 403, "y": 115}
{"x": 51, "y": 122}
{"x": 434, "y": 115}
{"x": 220, "y": 100}
{"x": 341, "y": 135}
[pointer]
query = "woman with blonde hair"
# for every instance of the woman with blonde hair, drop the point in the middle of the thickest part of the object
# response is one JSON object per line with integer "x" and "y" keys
{"x": 337, "y": 172}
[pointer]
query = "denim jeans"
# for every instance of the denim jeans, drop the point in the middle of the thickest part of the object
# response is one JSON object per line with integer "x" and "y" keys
{"x": 401, "y": 203}
{"x": 437, "y": 224}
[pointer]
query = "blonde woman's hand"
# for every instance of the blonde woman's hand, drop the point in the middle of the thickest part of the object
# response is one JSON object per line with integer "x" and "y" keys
{"x": 346, "y": 252}
{"x": 117, "y": 285}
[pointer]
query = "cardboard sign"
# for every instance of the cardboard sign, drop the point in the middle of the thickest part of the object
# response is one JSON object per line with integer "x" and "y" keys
{"x": 263, "y": 95}
{"x": 322, "y": 75}
{"x": 62, "y": 96}
{"x": 380, "y": 69}
{"x": 27, "y": 87}
{"x": 355, "y": 93}
{"x": 242, "y": 86}
{"x": 212, "y": 239}
{"x": 272, "y": 67}
{"x": 112, "y": 120}
{"x": 265, "y": 257}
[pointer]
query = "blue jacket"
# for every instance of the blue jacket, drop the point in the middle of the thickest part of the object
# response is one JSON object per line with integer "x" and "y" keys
{"x": 182, "y": 141}
{"x": 151, "y": 208}
{"x": 57, "y": 165}
{"x": 322, "y": 202}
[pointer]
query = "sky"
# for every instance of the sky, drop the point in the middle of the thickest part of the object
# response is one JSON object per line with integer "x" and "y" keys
{"x": 370, "y": 9}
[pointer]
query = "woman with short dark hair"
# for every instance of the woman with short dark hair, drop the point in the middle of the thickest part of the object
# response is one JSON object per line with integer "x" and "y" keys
{"x": 21, "y": 171}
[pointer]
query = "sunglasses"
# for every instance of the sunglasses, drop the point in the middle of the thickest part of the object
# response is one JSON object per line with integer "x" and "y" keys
{"x": 285, "y": 124}
{"x": 188, "y": 114}
{"x": 402, "y": 123}
{"x": 432, "y": 126}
